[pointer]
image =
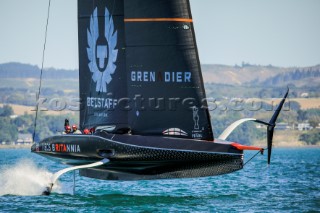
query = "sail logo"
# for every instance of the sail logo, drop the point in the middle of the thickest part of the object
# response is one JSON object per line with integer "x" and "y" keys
{"x": 196, "y": 117}
{"x": 197, "y": 133}
{"x": 102, "y": 52}
{"x": 175, "y": 132}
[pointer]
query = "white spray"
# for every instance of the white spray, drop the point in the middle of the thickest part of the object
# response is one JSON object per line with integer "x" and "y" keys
{"x": 24, "y": 178}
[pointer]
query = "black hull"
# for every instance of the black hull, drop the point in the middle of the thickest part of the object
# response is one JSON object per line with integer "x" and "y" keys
{"x": 142, "y": 157}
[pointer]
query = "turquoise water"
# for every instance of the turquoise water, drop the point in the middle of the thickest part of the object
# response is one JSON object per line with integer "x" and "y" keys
{"x": 290, "y": 184}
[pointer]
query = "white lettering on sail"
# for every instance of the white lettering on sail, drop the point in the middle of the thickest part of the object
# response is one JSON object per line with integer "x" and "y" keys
{"x": 187, "y": 76}
{"x": 179, "y": 77}
{"x": 167, "y": 77}
{"x": 104, "y": 103}
{"x": 152, "y": 76}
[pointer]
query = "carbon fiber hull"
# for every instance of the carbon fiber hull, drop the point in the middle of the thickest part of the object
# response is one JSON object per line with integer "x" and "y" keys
{"x": 141, "y": 157}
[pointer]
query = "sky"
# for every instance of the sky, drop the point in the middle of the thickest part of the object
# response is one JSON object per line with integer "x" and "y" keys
{"x": 283, "y": 33}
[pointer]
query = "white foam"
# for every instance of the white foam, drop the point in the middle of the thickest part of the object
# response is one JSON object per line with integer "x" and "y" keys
{"x": 24, "y": 178}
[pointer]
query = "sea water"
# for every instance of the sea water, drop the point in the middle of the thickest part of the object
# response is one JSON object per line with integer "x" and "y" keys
{"x": 290, "y": 184}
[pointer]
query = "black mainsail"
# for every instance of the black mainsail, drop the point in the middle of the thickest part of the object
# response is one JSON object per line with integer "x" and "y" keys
{"x": 144, "y": 72}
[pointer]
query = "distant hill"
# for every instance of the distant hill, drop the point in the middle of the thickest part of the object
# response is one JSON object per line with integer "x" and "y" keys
{"x": 250, "y": 78}
{"x": 18, "y": 70}
{"x": 300, "y": 77}
{"x": 19, "y": 85}
{"x": 221, "y": 74}
{"x": 258, "y": 75}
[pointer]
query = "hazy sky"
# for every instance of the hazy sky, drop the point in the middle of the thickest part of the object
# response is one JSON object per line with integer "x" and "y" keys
{"x": 277, "y": 32}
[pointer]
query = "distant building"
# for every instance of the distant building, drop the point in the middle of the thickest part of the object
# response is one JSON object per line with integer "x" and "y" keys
{"x": 305, "y": 95}
{"x": 279, "y": 126}
{"x": 304, "y": 126}
{"x": 24, "y": 139}
{"x": 6, "y": 143}
{"x": 13, "y": 116}
{"x": 283, "y": 126}
{"x": 259, "y": 126}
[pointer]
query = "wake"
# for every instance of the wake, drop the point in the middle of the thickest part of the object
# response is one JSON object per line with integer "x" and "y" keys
{"x": 24, "y": 178}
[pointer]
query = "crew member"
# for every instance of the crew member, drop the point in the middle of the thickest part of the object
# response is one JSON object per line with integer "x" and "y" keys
{"x": 67, "y": 130}
{"x": 92, "y": 130}
{"x": 86, "y": 132}
{"x": 75, "y": 129}
{"x": 66, "y": 123}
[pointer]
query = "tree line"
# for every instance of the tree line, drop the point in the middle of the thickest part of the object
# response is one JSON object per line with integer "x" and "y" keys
{"x": 49, "y": 125}
{"x": 46, "y": 125}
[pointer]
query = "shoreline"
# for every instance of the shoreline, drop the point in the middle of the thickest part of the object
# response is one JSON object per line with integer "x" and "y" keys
{"x": 15, "y": 146}
{"x": 302, "y": 146}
